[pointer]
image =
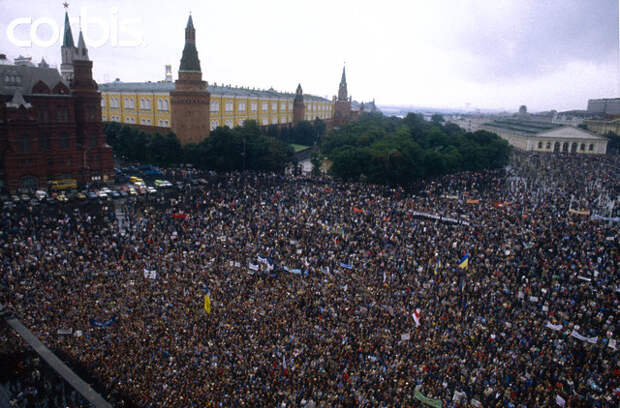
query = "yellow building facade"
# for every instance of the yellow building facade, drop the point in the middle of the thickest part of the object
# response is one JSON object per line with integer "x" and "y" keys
{"x": 148, "y": 104}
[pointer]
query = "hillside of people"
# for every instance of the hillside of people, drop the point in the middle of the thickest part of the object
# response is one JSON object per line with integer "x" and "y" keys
{"x": 482, "y": 288}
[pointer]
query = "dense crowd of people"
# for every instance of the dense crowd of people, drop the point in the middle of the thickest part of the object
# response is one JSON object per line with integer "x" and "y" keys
{"x": 330, "y": 294}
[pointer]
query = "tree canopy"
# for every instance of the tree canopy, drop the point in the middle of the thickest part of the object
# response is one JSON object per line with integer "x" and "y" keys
{"x": 244, "y": 147}
{"x": 389, "y": 150}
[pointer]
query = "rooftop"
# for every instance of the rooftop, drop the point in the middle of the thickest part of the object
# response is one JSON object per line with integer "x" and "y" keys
{"x": 526, "y": 127}
{"x": 118, "y": 86}
{"x": 25, "y": 77}
{"x": 540, "y": 129}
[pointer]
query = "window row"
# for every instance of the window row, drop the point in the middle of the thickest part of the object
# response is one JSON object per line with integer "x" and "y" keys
{"x": 145, "y": 103}
{"x": 241, "y": 106}
{"x": 565, "y": 146}
{"x": 62, "y": 114}
{"x": 25, "y": 142}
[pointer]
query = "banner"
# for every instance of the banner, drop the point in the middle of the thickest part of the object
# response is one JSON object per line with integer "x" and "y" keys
{"x": 584, "y": 212}
{"x": 438, "y": 218}
{"x": 293, "y": 271}
{"x": 103, "y": 324}
{"x": 431, "y": 402}
{"x": 556, "y": 327}
{"x": 207, "y": 299}
{"x": 610, "y": 219}
{"x": 473, "y": 201}
{"x": 65, "y": 331}
{"x": 576, "y": 335}
{"x": 347, "y": 266}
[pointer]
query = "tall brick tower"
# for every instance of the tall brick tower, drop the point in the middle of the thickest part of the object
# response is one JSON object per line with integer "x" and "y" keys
{"x": 96, "y": 154}
{"x": 299, "y": 109}
{"x": 190, "y": 99}
{"x": 342, "y": 108}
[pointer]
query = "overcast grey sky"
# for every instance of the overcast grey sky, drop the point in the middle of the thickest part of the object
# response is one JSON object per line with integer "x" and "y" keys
{"x": 547, "y": 54}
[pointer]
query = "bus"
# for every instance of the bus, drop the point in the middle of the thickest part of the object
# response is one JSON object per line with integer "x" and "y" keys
{"x": 65, "y": 184}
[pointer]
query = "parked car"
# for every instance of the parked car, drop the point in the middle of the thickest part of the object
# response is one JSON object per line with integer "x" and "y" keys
{"x": 123, "y": 193}
{"x": 163, "y": 183}
{"x": 153, "y": 172}
{"x": 80, "y": 196}
{"x": 62, "y": 198}
{"x": 151, "y": 190}
{"x": 92, "y": 195}
{"x": 40, "y": 194}
{"x": 115, "y": 194}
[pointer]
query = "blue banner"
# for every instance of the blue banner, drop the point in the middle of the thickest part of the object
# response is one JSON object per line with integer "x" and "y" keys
{"x": 103, "y": 324}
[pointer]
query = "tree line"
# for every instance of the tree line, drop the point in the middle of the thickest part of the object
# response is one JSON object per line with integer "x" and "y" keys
{"x": 376, "y": 148}
{"x": 244, "y": 147}
{"x": 390, "y": 150}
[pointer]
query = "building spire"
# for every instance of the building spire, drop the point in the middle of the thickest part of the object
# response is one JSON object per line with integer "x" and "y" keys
{"x": 342, "y": 89}
{"x": 299, "y": 94}
{"x": 67, "y": 40}
{"x": 82, "y": 51}
{"x": 189, "y": 60}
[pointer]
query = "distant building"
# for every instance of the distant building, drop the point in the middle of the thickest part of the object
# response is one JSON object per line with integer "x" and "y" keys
{"x": 603, "y": 127}
{"x": 343, "y": 111}
{"x": 530, "y": 135}
{"x": 159, "y": 104}
{"x": 50, "y": 125}
{"x": 604, "y": 107}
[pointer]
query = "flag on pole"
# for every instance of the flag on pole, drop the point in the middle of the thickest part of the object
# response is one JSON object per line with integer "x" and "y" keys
{"x": 464, "y": 262}
{"x": 207, "y": 300}
{"x": 437, "y": 264}
{"x": 416, "y": 317}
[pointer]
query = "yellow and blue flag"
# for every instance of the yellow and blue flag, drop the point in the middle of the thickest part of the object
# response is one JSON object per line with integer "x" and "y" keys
{"x": 207, "y": 300}
{"x": 464, "y": 263}
{"x": 437, "y": 265}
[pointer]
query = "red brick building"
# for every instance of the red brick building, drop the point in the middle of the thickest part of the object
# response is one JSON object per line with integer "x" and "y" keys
{"x": 50, "y": 127}
{"x": 342, "y": 105}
